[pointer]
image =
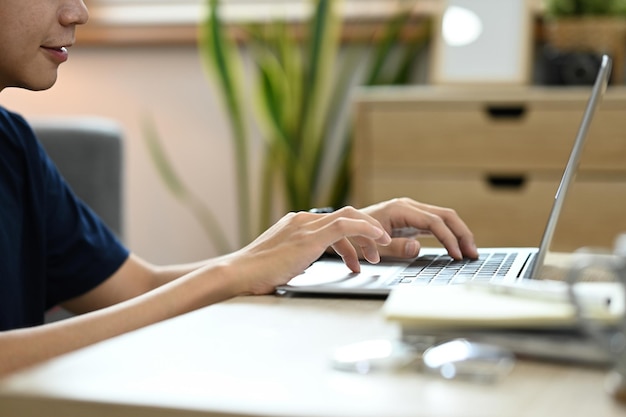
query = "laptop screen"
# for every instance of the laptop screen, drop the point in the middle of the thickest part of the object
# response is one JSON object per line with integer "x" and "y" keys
{"x": 571, "y": 168}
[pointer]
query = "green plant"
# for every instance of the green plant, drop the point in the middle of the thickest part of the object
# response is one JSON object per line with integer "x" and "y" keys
{"x": 585, "y": 7}
{"x": 301, "y": 87}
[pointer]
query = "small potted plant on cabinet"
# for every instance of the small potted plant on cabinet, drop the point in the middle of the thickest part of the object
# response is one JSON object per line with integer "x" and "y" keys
{"x": 588, "y": 27}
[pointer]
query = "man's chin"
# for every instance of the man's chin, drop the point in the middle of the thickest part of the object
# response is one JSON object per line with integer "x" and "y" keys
{"x": 44, "y": 84}
{"x": 39, "y": 86}
{"x": 38, "y": 82}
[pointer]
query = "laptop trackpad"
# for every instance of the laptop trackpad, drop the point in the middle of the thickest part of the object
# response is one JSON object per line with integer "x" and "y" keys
{"x": 335, "y": 273}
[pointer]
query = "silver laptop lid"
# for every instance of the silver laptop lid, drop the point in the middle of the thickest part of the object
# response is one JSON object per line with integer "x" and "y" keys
{"x": 571, "y": 168}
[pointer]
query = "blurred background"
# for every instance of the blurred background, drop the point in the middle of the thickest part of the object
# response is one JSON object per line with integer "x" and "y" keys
{"x": 138, "y": 59}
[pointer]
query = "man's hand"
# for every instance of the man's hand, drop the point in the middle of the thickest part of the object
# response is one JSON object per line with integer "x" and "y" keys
{"x": 443, "y": 223}
{"x": 287, "y": 248}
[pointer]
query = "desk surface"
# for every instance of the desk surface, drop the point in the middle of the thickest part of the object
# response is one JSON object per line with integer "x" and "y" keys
{"x": 269, "y": 355}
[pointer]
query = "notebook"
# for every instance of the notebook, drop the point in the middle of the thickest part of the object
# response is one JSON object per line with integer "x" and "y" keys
{"x": 433, "y": 266}
{"x": 537, "y": 326}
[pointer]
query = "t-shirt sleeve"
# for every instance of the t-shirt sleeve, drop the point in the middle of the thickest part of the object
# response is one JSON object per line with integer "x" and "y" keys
{"x": 82, "y": 251}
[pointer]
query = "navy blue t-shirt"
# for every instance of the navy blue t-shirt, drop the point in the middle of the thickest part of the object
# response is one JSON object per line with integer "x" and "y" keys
{"x": 52, "y": 246}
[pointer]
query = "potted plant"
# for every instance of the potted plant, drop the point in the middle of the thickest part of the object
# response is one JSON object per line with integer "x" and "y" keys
{"x": 588, "y": 26}
{"x": 298, "y": 90}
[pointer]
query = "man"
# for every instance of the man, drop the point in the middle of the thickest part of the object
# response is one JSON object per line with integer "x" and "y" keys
{"x": 55, "y": 250}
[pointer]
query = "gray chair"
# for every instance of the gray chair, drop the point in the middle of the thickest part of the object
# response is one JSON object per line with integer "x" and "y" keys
{"x": 89, "y": 154}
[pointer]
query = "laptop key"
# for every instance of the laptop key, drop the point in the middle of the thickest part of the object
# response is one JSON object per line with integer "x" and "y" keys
{"x": 443, "y": 270}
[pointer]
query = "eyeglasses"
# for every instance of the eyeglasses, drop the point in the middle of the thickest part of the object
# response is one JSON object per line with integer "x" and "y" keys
{"x": 454, "y": 359}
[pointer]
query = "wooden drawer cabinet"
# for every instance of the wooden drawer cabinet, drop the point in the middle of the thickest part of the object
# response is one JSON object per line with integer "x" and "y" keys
{"x": 496, "y": 156}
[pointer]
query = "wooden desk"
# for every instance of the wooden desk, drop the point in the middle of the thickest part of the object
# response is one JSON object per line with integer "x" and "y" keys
{"x": 268, "y": 356}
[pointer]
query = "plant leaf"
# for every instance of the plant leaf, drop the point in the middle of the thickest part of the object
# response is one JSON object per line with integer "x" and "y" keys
{"x": 220, "y": 57}
{"x": 322, "y": 49}
{"x": 176, "y": 186}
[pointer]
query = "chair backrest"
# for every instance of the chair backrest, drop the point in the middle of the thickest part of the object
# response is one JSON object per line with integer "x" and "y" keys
{"x": 88, "y": 152}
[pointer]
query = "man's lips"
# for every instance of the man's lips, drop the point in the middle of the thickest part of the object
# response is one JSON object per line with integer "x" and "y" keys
{"x": 58, "y": 53}
{"x": 56, "y": 48}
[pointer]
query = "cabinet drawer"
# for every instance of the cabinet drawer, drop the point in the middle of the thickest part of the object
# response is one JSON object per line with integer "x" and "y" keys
{"x": 515, "y": 213}
{"x": 496, "y": 156}
{"x": 519, "y": 130}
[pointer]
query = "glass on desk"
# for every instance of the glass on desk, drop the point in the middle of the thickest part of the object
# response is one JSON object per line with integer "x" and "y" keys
{"x": 454, "y": 359}
{"x": 601, "y": 265}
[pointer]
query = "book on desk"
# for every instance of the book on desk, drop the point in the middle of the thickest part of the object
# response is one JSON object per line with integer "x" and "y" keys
{"x": 543, "y": 326}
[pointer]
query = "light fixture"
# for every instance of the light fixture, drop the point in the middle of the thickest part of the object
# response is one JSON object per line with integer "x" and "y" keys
{"x": 460, "y": 26}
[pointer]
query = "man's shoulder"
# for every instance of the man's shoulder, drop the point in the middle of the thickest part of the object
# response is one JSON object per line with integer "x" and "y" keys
{"x": 8, "y": 115}
{"x": 12, "y": 124}
{"x": 16, "y": 132}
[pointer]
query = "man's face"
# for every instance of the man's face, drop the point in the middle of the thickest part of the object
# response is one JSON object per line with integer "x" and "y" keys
{"x": 34, "y": 35}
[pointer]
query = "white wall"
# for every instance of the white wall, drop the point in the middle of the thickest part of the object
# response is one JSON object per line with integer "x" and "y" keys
{"x": 168, "y": 83}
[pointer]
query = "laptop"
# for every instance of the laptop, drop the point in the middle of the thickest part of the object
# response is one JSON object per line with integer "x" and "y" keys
{"x": 433, "y": 266}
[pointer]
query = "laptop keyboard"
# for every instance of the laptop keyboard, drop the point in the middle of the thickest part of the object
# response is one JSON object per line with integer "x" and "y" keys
{"x": 443, "y": 270}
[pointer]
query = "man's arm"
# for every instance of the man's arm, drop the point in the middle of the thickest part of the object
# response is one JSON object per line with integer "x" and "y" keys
{"x": 133, "y": 278}
{"x": 122, "y": 308}
{"x": 139, "y": 294}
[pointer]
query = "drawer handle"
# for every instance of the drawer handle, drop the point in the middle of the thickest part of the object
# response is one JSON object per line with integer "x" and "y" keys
{"x": 506, "y": 112}
{"x": 506, "y": 182}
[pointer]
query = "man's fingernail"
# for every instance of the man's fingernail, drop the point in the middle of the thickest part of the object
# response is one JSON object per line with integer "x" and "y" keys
{"x": 411, "y": 248}
{"x": 384, "y": 238}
